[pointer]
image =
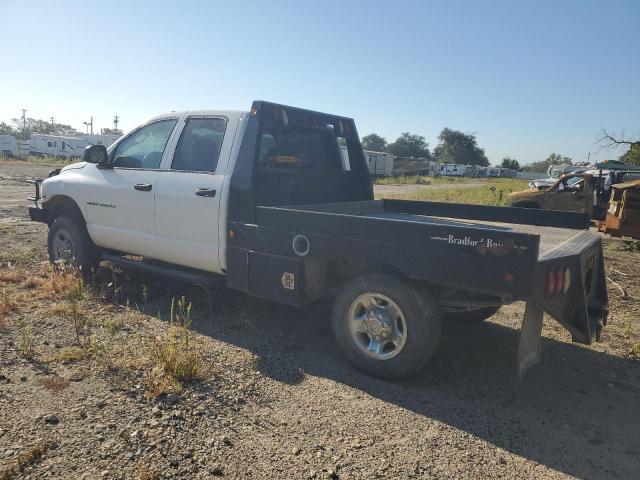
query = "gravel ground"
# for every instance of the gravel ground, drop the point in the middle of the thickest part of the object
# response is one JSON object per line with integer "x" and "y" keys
{"x": 275, "y": 399}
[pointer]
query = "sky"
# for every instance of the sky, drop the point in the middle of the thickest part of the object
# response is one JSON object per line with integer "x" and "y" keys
{"x": 528, "y": 77}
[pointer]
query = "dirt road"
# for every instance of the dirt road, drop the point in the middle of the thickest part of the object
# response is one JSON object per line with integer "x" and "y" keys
{"x": 278, "y": 401}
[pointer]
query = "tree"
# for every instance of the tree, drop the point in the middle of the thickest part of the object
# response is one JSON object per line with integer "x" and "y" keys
{"x": 632, "y": 156}
{"x": 410, "y": 145}
{"x": 512, "y": 163}
{"x": 39, "y": 126}
{"x": 374, "y": 142}
{"x": 459, "y": 147}
{"x": 6, "y": 129}
{"x": 543, "y": 165}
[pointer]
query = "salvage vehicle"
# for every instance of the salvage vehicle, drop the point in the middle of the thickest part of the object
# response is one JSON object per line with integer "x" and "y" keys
{"x": 587, "y": 192}
{"x": 265, "y": 203}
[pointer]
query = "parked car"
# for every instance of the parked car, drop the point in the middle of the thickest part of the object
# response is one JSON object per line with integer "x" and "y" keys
{"x": 262, "y": 202}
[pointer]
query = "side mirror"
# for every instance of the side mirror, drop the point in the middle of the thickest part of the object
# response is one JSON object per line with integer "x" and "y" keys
{"x": 96, "y": 154}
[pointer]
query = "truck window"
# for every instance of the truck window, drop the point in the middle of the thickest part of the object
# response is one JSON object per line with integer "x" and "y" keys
{"x": 300, "y": 148}
{"x": 144, "y": 147}
{"x": 199, "y": 145}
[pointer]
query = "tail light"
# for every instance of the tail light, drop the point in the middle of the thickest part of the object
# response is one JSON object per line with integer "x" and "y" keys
{"x": 551, "y": 283}
{"x": 558, "y": 281}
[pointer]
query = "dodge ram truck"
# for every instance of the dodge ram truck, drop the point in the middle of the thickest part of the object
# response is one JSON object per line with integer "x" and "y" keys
{"x": 278, "y": 202}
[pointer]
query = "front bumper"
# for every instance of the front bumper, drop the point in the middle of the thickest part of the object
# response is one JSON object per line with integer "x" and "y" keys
{"x": 36, "y": 213}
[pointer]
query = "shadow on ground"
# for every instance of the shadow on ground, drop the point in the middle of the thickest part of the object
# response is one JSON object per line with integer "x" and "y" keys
{"x": 578, "y": 412}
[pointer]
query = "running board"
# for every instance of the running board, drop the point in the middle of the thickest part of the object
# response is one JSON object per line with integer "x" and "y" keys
{"x": 175, "y": 273}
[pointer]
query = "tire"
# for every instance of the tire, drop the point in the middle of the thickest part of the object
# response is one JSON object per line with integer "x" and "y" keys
{"x": 69, "y": 243}
{"x": 473, "y": 316}
{"x": 398, "y": 358}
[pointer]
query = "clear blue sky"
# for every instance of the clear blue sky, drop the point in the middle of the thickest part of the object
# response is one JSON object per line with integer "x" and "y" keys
{"x": 529, "y": 78}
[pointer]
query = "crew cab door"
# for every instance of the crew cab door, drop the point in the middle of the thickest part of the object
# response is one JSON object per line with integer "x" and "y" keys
{"x": 120, "y": 202}
{"x": 188, "y": 194}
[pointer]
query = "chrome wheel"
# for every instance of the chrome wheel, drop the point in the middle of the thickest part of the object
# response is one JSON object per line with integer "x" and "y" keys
{"x": 377, "y": 326}
{"x": 62, "y": 247}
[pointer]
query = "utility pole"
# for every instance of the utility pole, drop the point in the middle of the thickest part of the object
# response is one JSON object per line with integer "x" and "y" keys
{"x": 89, "y": 124}
{"x": 53, "y": 124}
{"x": 115, "y": 122}
{"x": 24, "y": 123}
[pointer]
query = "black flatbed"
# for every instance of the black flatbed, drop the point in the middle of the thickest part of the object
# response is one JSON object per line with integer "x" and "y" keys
{"x": 550, "y": 237}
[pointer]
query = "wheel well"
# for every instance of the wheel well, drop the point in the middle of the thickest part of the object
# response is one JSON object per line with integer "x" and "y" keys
{"x": 63, "y": 205}
{"x": 342, "y": 269}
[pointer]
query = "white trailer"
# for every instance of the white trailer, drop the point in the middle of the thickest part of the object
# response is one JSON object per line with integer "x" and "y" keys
{"x": 56, "y": 145}
{"x": 493, "y": 171}
{"x": 453, "y": 170}
{"x": 8, "y": 145}
{"x": 380, "y": 163}
{"x": 66, "y": 146}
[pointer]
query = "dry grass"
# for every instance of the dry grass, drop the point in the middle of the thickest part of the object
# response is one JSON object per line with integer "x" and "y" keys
{"x": 25, "y": 341}
{"x": 8, "y": 304}
{"x": 157, "y": 383}
{"x": 175, "y": 359}
{"x": 33, "y": 282}
{"x": 27, "y": 458}
{"x": 61, "y": 283}
{"x": 11, "y": 276}
{"x": 69, "y": 354}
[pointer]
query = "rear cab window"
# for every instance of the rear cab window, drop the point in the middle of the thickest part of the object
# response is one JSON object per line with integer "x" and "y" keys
{"x": 199, "y": 145}
{"x": 303, "y": 143}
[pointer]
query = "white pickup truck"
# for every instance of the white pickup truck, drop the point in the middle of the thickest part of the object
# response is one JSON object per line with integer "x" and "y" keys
{"x": 277, "y": 202}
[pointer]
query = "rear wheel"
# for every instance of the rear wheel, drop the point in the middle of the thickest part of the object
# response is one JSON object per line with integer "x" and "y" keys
{"x": 472, "y": 316}
{"x": 384, "y": 327}
{"x": 69, "y": 244}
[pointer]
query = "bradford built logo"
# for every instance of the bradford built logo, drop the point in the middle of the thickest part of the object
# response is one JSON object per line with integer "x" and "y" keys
{"x": 470, "y": 242}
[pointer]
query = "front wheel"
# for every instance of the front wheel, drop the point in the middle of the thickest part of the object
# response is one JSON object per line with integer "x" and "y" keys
{"x": 69, "y": 244}
{"x": 385, "y": 327}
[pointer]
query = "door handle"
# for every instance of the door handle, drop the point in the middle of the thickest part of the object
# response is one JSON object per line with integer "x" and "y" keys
{"x": 143, "y": 187}
{"x": 206, "y": 192}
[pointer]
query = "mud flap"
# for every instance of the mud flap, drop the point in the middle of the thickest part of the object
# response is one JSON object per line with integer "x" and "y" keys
{"x": 529, "y": 345}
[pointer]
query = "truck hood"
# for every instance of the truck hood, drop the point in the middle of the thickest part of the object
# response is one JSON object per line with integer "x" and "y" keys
{"x": 526, "y": 195}
{"x": 74, "y": 166}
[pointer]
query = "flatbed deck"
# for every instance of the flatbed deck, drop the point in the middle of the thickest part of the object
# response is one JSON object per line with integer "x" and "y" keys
{"x": 554, "y": 229}
{"x": 550, "y": 237}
